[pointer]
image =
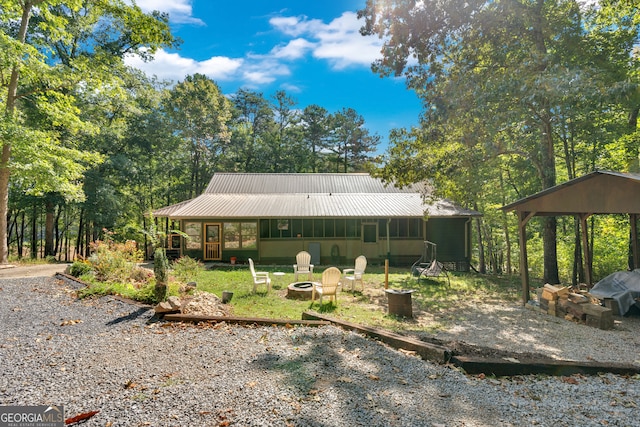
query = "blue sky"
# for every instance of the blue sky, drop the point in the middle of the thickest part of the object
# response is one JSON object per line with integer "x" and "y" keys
{"x": 311, "y": 49}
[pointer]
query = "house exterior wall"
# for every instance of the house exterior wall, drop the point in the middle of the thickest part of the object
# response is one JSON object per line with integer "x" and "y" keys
{"x": 453, "y": 239}
{"x": 450, "y": 234}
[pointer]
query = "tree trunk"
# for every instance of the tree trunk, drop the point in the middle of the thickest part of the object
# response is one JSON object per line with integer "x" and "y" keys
{"x": 482, "y": 268}
{"x": 80, "y": 233}
{"x": 48, "y": 228}
{"x": 21, "y": 235}
{"x": 549, "y": 224}
{"x": 34, "y": 232}
{"x": 5, "y": 157}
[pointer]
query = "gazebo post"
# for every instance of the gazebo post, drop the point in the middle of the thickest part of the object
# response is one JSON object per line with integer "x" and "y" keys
{"x": 633, "y": 219}
{"x": 585, "y": 248}
{"x": 523, "y": 218}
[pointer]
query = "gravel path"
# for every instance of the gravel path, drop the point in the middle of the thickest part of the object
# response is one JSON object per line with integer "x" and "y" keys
{"x": 106, "y": 355}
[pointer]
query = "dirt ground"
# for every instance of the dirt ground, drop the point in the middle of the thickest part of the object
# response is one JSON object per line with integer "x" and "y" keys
{"x": 33, "y": 270}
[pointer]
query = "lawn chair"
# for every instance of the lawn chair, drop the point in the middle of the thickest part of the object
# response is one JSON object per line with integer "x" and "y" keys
{"x": 259, "y": 277}
{"x": 303, "y": 265}
{"x": 354, "y": 275}
{"x": 329, "y": 287}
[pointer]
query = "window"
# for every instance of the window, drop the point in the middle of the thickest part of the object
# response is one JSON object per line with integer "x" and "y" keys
{"x": 369, "y": 233}
{"x": 232, "y": 235}
{"x": 240, "y": 235}
{"x": 248, "y": 235}
{"x": 174, "y": 241}
{"x": 194, "y": 231}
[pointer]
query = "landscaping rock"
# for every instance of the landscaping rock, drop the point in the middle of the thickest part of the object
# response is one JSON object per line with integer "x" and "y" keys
{"x": 175, "y": 303}
{"x": 164, "y": 307}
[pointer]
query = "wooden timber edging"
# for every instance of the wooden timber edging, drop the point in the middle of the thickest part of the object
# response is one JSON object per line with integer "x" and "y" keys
{"x": 425, "y": 350}
{"x": 482, "y": 365}
{"x": 194, "y": 318}
{"x": 501, "y": 367}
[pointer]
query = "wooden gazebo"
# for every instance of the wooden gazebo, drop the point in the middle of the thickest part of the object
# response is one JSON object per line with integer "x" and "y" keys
{"x": 599, "y": 192}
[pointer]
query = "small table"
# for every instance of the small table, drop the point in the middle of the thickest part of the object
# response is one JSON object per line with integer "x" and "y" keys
{"x": 278, "y": 275}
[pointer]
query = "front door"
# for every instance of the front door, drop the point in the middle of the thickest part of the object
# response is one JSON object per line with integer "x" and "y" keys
{"x": 212, "y": 242}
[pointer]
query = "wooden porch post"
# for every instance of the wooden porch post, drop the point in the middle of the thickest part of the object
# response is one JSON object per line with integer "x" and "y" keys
{"x": 585, "y": 248}
{"x": 523, "y": 218}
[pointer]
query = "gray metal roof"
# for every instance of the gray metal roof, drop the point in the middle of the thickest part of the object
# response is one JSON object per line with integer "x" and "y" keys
{"x": 598, "y": 192}
{"x": 276, "y": 183}
{"x": 326, "y": 196}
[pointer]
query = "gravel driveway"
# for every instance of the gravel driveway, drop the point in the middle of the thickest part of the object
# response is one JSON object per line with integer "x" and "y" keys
{"x": 109, "y": 356}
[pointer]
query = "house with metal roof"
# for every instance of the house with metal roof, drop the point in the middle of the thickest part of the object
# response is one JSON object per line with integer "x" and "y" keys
{"x": 336, "y": 217}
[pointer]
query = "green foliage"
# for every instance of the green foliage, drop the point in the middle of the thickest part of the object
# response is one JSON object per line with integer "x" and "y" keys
{"x": 160, "y": 265}
{"x": 113, "y": 261}
{"x": 519, "y": 96}
{"x": 80, "y": 268}
{"x": 186, "y": 269}
{"x": 161, "y": 270}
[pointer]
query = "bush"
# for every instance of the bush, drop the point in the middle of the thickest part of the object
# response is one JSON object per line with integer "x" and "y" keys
{"x": 186, "y": 269}
{"x": 79, "y": 268}
{"x": 112, "y": 261}
{"x": 141, "y": 276}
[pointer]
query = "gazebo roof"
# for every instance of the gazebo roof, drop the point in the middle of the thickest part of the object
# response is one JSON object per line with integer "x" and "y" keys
{"x": 599, "y": 192}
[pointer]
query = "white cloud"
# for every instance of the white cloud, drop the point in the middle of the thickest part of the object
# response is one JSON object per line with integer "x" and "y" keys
{"x": 180, "y": 11}
{"x": 259, "y": 70}
{"x": 339, "y": 41}
{"x": 172, "y": 66}
{"x": 295, "y": 49}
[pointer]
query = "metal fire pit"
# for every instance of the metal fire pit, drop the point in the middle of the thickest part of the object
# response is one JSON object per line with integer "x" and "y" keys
{"x": 300, "y": 290}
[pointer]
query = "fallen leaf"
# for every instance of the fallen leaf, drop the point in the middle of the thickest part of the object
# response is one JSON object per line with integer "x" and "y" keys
{"x": 374, "y": 377}
{"x": 569, "y": 380}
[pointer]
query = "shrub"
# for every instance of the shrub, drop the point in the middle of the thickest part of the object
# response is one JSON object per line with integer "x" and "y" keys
{"x": 141, "y": 276}
{"x": 79, "y": 268}
{"x": 112, "y": 261}
{"x": 186, "y": 269}
{"x": 160, "y": 268}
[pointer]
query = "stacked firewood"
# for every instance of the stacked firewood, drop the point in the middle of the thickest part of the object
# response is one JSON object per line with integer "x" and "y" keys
{"x": 575, "y": 305}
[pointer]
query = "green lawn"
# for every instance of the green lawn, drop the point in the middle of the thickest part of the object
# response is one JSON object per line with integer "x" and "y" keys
{"x": 368, "y": 307}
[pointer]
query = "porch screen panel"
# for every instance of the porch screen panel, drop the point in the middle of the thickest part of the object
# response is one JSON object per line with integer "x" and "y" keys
{"x": 307, "y": 228}
{"x": 415, "y": 228}
{"x": 264, "y": 229}
{"x": 296, "y": 228}
{"x": 318, "y": 228}
{"x": 382, "y": 228}
{"x": 353, "y": 228}
{"x": 329, "y": 229}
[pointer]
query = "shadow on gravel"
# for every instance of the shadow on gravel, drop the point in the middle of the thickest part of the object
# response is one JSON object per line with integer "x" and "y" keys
{"x": 129, "y": 317}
